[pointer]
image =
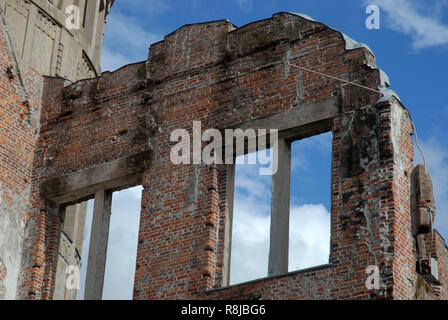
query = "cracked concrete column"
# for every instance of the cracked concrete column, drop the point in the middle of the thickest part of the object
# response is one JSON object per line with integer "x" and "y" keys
{"x": 98, "y": 246}
{"x": 279, "y": 241}
{"x": 230, "y": 194}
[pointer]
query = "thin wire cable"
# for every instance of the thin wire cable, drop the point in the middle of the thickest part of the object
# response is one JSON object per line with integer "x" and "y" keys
{"x": 418, "y": 145}
{"x": 116, "y": 9}
{"x": 334, "y": 78}
{"x": 367, "y": 88}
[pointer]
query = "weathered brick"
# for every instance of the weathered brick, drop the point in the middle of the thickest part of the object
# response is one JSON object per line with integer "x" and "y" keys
{"x": 226, "y": 77}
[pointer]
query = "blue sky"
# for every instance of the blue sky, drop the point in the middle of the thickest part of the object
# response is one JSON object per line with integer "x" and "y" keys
{"x": 411, "y": 46}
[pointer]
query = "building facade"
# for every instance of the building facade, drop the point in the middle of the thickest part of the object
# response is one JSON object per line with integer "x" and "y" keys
{"x": 259, "y": 76}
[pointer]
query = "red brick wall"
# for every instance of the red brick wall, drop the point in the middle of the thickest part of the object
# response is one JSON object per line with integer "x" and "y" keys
{"x": 20, "y": 94}
{"x": 82, "y": 126}
{"x": 181, "y": 243}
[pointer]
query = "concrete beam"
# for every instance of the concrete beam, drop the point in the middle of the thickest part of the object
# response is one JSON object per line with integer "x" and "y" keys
{"x": 98, "y": 246}
{"x": 115, "y": 175}
{"x": 297, "y": 123}
{"x": 279, "y": 240}
{"x": 301, "y": 121}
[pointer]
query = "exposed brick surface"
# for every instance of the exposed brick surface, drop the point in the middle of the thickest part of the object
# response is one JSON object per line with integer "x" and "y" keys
{"x": 225, "y": 77}
{"x": 246, "y": 79}
{"x": 20, "y": 96}
{"x": 80, "y": 129}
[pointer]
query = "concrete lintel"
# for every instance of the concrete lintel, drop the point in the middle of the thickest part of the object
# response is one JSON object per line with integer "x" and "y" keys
{"x": 279, "y": 240}
{"x": 300, "y": 116}
{"x": 114, "y": 175}
{"x": 98, "y": 246}
{"x": 297, "y": 123}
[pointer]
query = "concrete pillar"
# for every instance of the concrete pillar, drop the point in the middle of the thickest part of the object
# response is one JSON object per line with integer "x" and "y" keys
{"x": 279, "y": 241}
{"x": 98, "y": 246}
{"x": 230, "y": 189}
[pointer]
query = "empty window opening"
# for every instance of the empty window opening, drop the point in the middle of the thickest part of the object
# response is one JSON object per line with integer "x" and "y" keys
{"x": 121, "y": 246}
{"x": 281, "y": 223}
{"x": 310, "y": 202}
{"x": 251, "y": 221}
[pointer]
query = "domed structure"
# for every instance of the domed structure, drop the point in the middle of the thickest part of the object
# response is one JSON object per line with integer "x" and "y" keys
{"x": 57, "y": 37}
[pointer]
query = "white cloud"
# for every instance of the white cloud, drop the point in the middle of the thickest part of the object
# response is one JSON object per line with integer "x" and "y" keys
{"x": 309, "y": 229}
{"x": 245, "y": 5}
{"x": 250, "y": 243}
{"x": 309, "y": 236}
{"x": 309, "y": 240}
{"x": 122, "y": 246}
{"x": 251, "y": 224}
{"x": 112, "y": 61}
{"x": 125, "y": 41}
{"x": 405, "y": 16}
{"x": 249, "y": 181}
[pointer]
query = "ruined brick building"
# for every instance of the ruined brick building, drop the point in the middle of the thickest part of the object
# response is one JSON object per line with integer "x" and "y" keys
{"x": 69, "y": 133}
{"x": 35, "y": 42}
